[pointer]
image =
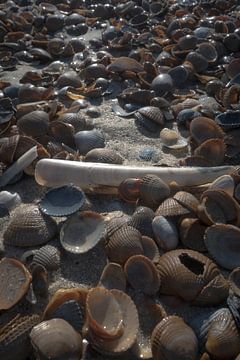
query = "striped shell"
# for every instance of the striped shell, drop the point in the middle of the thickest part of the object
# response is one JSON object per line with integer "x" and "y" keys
{"x": 151, "y": 113}
{"x": 234, "y": 280}
{"x": 150, "y": 249}
{"x": 104, "y": 156}
{"x": 181, "y": 203}
{"x": 192, "y": 234}
{"x": 47, "y": 256}
{"x": 153, "y": 190}
{"x": 34, "y": 124}
{"x": 29, "y": 227}
{"x": 142, "y": 220}
{"x": 115, "y": 224}
{"x": 203, "y": 129}
{"x": 63, "y": 132}
{"x": 173, "y": 339}
{"x": 76, "y": 120}
{"x": 88, "y": 140}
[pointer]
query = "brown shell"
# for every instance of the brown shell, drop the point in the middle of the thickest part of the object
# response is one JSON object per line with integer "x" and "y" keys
{"x": 216, "y": 291}
{"x": 113, "y": 277}
{"x": 234, "y": 280}
{"x": 76, "y": 120}
{"x": 14, "y": 337}
{"x": 63, "y": 133}
{"x": 213, "y": 150}
{"x": 142, "y": 274}
{"x": 123, "y": 244}
{"x": 192, "y": 234}
{"x": 125, "y": 64}
{"x": 202, "y": 129}
{"x": 15, "y": 280}
{"x": 142, "y": 220}
{"x": 187, "y": 200}
{"x": 225, "y": 183}
{"x": 115, "y": 224}
{"x": 34, "y": 124}
{"x": 47, "y": 256}
{"x": 8, "y": 148}
{"x": 173, "y": 339}
{"x": 153, "y": 190}
{"x": 29, "y": 227}
{"x": 171, "y": 207}
{"x": 152, "y": 113}
{"x": 195, "y": 161}
{"x": 150, "y": 249}
{"x": 102, "y": 155}
{"x": 129, "y": 189}
{"x": 184, "y": 273}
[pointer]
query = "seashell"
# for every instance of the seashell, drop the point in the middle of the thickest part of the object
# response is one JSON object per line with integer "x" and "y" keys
{"x": 113, "y": 277}
{"x": 207, "y": 50}
{"x": 171, "y": 139}
{"x": 62, "y": 201}
{"x": 142, "y": 274}
{"x": 142, "y": 220}
{"x": 222, "y": 242}
{"x": 29, "y": 227}
{"x": 150, "y": 249}
{"x": 172, "y": 339}
{"x": 203, "y": 129}
{"x": 116, "y": 223}
{"x": 125, "y": 64}
{"x": 9, "y": 200}
{"x": 82, "y": 231}
{"x": 225, "y": 183}
{"x": 40, "y": 281}
{"x": 213, "y": 150}
{"x": 216, "y": 291}
{"x": 179, "y": 75}
{"x": 162, "y": 84}
{"x": 233, "y": 68}
{"x": 187, "y": 200}
{"x": 150, "y": 113}
{"x": 222, "y": 335}
{"x": 198, "y": 61}
{"x": 124, "y": 243}
{"x": 153, "y": 190}
{"x": 104, "y": 156}
{"x": 229, "y": 119}
{"x": 48, "y": 257}
{"x": 185, "y": 273}
{"x": 56, "y": 338}
{"x": 34, "y": 124}
{"x": 171, "y": 207}
{"x": 195, "y": 161}
{"x": 14, "y": 337}
{"x": 88, "y": 140}
{"x": 15, "y": 282}
{"x": 76, "y": 120}
{"x": 192, "y": 234}
{"x": 69, "y": 78}
{"x": 63, "y": 132}
{"x": 129, "y": 189}
{"x": 234, "y": 280}
{"x": 104, "y": 314}
{"x": 165, "y": 233}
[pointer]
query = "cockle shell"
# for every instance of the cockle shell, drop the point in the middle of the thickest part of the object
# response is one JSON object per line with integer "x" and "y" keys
{"x": 150, "y": 113}
{"x": 47, "y": 256}
{"x": 88, "y": 139}
{"x": 172, "y": 140}
{"x": 150, "y": 249}
{"x": 15, "y": 281}
{"x": 165, "y": 233}
{"x": 34, "y": 124}
{"x": 142, "y": 274}
{"x": 28, "y": 226}
{"x": 234, "y": 280}
{"x": 104, "y": 156}
{"x": 225, "y": 183}
{"x": 153, "y": 190}
{"x": 142, "y": 220}
{"x": 192, "y": 234}
{"x": 223, "y": 243}
{"x": 173, "y": 339}
{"x": 125, "y": 64}
{"x": 203, "y": 129}
{"x": 54, "y": 339}
{"x": 113, "y": 277}
{"x": 213, "y": 150}
{"x": 181, "y": 203}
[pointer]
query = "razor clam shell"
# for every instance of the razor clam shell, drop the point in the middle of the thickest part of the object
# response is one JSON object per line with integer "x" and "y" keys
{"x": 56, "y": 338}
{"x": 53, "y": 172}
{"x": 82, "y": 231}
{"x": 48, "y": 257}
{"x": 165, "y": 233}
{"x": 142, "y": 274}
{"x": 173, "y": 339}
{"x": 223, "y": 243}
{"x": 113, "y": 277}
{"x": 29, "y": 227}
{"x": 15, "y": 281}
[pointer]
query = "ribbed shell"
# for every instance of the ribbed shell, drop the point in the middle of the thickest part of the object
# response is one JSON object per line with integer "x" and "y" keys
{"x": 63, "y": 132}
{"x": 142, "y": 220}
{"x": 34, "y": 123}
{"x": 187, "y": 200}
{"x": 142, "y": 274}
{"x": 129, "y": 189}
{"x": 171, "y": 207}
{"x": 14, "y": 337}
{"x": 192, "y": 234}
{"x": 29, "y": 227}
{"x": 215, "y": 292}
{"x": 47, "y": 256}
{"x": 173, "y": 339}
{"x": 88, "y": 140}
{"x": 152, "y": 113}
{"x": 202, "y": 129}
{"x": 213, "y": 150}
{"x": 76, "y": 120}
{"x": 115, "y": 224}
{"x": 104, "y": 156}
{"x": 184, "y": 273}
{"x": 123, "y": 244}
{"x": 153, "y": 190}
{"x": 150, "y": 249}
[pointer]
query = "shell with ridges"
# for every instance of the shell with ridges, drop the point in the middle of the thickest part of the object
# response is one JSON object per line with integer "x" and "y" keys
{"x": 192, "y": 234}
{"x": 153, "y": 190}
{"x": 142, "y": 220}
{"x": 104, "y": 156}
{"x": 150, "y": 249}
{"x": 88, "y": 139}
{"x": 34, "y": 124}
{"x": 187, "y": 200}
{"x": 225, "y": 183}
{"x": 213, "y": 150}
{"x": 47, "y": 256}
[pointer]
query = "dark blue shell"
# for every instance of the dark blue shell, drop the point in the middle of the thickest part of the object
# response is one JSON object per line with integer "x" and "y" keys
{"x": 229, "y": 119}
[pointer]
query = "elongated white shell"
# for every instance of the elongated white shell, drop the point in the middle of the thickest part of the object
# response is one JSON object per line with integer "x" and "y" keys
{"x": 52, "y": 173}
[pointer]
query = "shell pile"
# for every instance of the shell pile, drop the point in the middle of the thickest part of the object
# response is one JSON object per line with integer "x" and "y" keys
{"x": 117, "y": 261}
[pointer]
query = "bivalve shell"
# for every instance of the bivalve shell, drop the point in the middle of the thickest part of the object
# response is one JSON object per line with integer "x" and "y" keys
{"x": 192, "y": 234}
{"x": 165, "y": 232}
{"x": 34, "y": 124}
{"x": 88, "y": 140}
{"x": 113, "y": 277}
{"x": 48, "y": 257}
{"x": 203, "y": 128}
{"x": 104, "y": 156}
{"x": 153, "y": 190}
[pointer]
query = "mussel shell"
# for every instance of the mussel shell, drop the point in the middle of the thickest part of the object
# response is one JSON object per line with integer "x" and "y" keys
{"x": 62, "y": 201}
{"x": 229, "y": 119}
{"x": 88, "y": 140}
{"x": 82, "y": 231}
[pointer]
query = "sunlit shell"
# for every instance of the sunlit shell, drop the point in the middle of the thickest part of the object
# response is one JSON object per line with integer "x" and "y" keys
{"x": 15, "y": 280}
{"x": 113, "y": 277}
{"x": 56, "y": 338}
{"x": 142, "y": 220}
{"x": 223, "y": 243}
{"x": 225, "y": 183}
{"x": 150, "y": 249}
{"x": 62, "y": 132}
{"x": 88, "y": 140}
{"x": 28, "y": 226}
{"x": 82, "y": 231}
{"x": 104, "y": 314}
{"x": 124, "y": 243}
{"x": 125, "y": 64}
{"x": 234, "y": 279}
{"x": 153, "y": 190}
{"x": 171, "y": 207}
{"x": 203, "y": 129}
{"x": 129, "y": 189}
{"x": 165, "y": 233}
{"x": 14, "y": 337}
{"x": 171, "y": 139}
{"x": 150, "y": 113}
{"x": 34, "y": 124}
{"x": 142, "y": 274}
{"x": 213, "y": 150}
{"x": 9, "y": 200}
{"x": 62, "y": 201}
{"x": 116, "y": 223}
{"x": 47, "y": 256}
{"x": 76, "y": 120}
{"x": 192, "y": 234}
{"x": 104, "y": 156}
{"x": 173, "y": 339}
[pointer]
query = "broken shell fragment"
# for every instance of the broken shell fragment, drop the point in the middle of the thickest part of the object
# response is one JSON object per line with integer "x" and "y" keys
{"x": 82, "y": 231}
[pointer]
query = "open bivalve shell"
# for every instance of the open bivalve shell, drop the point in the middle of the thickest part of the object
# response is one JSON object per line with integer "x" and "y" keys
{"x": 223, "y": 243}
{"x": 82, "y": 231}
{"x": 113, "y": 277}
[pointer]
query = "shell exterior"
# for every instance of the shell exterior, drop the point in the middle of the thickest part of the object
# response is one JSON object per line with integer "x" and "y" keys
{"x": 124, "y": 243}
{"x": 48, "y": 257}
{"x": 150, "y": 249}
{"x": 213, "y": 150}
{"x": 202, "y": 129}
{"x": 192, "y": 234}
{"x": 29, "y": 227}
{"x": 15, "y": 281}
{"x": 63, "y": 132}
{"x": 104, "y": 156}
{"x": 125, "y": 64}
{"x": 195, "y": 160}
{"x": 216, "y": 291}
{"x": 185, "y": 273}
{"x": 225, "y": 183}
{"x": 14, "y": 337}
{"x": 165, "y": 233}
{"x": 142, "y": 274}
{"x": 171, "y": 207}
{"x": 223, "y": 243}
{"x": 34, "y": 124}
{"x": 88, "y": 140}
{"x": 116, "y": 223}
{"x": 187, "y": 200}
{"x": 171, "y": 139}
{"x": 142, "y": 220}
{"x": 129, "y": 189}
{"x": 234, "y": 280}
{"x": 153, "y": 190}
{"x": 76, "y": 120}
{"x": 173, "y": 339}
{"x": 113, "y": 277}
{"x": 56, "y": 338}
{"x": 82, "y": 231}
{"x": 152, "y": 113}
